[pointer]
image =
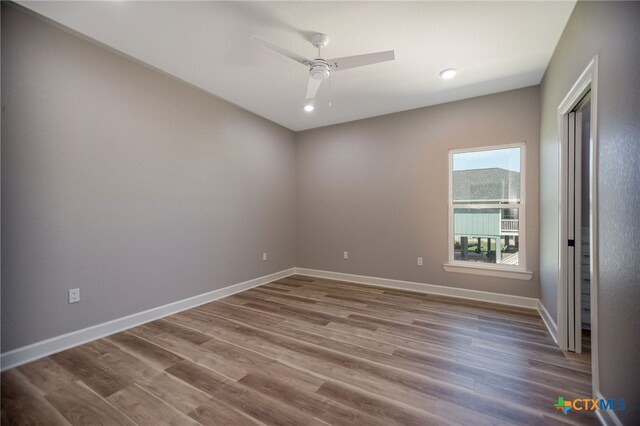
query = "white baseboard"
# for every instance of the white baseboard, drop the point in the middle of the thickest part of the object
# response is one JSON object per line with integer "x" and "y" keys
{"x": 548, "y": 321}
{"x": 43, "y": 348}
{"x": 606, "y": 417}
{"x": 462, "y": 293}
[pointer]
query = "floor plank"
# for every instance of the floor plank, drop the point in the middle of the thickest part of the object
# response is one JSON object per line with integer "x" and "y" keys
{"x": 81, "y": 406}
{"x": 151, "y": 354}
{"x": 84, "y": 363}
{"x": 144, "y": 408}
{"x": 180, "y": 395}
{"x": 23, "y": 404}
{"x": 46, "y": 375}
{"x": 213, "y": 412}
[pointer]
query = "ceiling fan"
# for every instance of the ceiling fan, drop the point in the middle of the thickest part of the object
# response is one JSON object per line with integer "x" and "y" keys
{"x": 320, "y": 69}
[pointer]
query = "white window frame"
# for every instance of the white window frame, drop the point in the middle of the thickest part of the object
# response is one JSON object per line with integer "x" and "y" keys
{"x": 505, "y": 271}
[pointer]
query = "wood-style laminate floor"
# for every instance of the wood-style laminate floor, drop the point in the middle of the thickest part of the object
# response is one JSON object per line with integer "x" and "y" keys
{"x": 305, "y": 351}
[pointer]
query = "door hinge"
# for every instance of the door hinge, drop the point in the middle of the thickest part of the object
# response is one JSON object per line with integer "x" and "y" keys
{"x": 572, "y": 243}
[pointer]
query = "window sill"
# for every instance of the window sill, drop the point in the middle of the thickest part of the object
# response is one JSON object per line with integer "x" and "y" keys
{"x": 491, "y": 272}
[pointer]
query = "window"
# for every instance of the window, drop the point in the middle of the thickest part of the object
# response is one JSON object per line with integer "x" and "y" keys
{"x": 487, "y": 211}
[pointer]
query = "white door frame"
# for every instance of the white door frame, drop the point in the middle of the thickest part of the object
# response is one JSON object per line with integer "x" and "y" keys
{"x": 585, "y": 83}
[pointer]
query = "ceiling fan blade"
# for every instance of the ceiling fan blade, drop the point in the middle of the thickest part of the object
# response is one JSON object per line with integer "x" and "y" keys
{"x": 312, "y": 87}
{"x": 280, "y": 50}
{"x": 339, "y": 64}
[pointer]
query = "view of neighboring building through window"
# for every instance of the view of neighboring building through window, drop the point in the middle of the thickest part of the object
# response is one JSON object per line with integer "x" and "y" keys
{"x": 486, "y": 207}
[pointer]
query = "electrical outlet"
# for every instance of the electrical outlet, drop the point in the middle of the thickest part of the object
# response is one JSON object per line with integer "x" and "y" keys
{"x": 74, "y": 295}
{"x": 264, "y": 256}
{"x": 345, "y": 255}
{"x": 419, "y": 261}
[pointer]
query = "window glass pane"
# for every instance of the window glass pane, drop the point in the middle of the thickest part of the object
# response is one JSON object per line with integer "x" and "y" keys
{"x": 486, "y": 235}
{"x": 491, "y": 176}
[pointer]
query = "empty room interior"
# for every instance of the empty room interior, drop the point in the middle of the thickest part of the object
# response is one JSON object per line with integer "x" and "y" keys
{"x": 320, "y": 213}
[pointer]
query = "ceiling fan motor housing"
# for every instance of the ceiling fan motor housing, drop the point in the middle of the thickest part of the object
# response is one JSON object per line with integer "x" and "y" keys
{"x": 319, "y": 69}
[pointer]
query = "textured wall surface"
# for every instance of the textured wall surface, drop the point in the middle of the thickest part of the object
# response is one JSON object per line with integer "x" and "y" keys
{"x": 128, "y": 184}
{"x": 611, "y": 30}
{"x": 378, "y": 188}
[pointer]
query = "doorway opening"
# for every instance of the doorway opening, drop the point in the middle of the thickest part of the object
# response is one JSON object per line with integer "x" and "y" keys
{"x": 578, "y": 227}
{"x": 578, "y": 230}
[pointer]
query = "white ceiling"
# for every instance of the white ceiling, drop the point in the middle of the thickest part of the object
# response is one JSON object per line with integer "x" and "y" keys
{"x": 496, "y": 46}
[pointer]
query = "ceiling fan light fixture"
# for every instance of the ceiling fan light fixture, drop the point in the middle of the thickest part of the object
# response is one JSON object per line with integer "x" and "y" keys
{"x": 309, "y": 107}
{"x": 319, "y": 70}
{"x": 448, "y": 73}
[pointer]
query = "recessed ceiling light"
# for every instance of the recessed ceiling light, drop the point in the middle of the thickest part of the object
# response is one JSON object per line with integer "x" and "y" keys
{"x": 308, "y": 108}
{"x": 448, "y": 73}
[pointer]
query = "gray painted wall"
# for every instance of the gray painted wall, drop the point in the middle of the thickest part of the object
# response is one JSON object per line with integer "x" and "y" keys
{"x": 611, "y": 30}
{"x": 128, "y": 184}
{"x": 378, "y": 188}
